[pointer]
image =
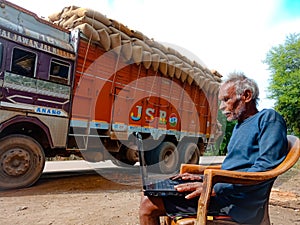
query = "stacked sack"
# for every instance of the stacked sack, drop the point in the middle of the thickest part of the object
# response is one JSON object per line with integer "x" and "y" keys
{"x": 134, "y": 45}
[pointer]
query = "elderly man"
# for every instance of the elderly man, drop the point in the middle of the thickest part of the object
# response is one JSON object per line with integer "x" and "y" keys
{"x": 258, "y": 143}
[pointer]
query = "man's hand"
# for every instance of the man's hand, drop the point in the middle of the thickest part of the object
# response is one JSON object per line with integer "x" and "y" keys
{"x": 187, "y": 176}
{"x": 194, "y": 187}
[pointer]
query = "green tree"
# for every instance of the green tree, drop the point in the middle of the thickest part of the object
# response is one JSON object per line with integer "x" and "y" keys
{"x": 227, "y": 135}
{"x": 226, "y": 129}
{"x": 284, "y": 87}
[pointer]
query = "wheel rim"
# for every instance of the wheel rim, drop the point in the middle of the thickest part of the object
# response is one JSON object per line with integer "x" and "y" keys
{"x": 192, "y": 156}
{"x": 132, "y": 154}
{"x": 189, "y": 153}
{"x": 16, "y": 162}
{"x": 22, "y": 161}
{"x": 169, "y": 159}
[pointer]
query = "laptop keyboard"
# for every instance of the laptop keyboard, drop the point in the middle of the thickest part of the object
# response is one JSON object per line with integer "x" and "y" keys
{"x": 164, "y": 185}
{"x": 167, "y": 184}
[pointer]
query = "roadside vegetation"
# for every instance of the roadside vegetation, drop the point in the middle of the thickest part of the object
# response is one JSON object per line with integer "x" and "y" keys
{"x": 284, "y": 64}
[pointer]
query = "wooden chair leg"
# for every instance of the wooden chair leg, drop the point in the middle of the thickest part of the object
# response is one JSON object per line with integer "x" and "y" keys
{"x": 167, "y": 220}
{"x": 266, "y": 218}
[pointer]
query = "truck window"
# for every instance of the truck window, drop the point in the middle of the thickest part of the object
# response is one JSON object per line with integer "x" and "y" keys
{"x": 1, "y": 54}
{"x": 59, "y": 71}
{"x": 23, "y": 62}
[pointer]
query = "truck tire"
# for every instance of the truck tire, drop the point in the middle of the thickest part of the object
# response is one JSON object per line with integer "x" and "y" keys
{"x": 92, "y": 156}
{"x": 165, "y": 158}
{"x": 22, "y": 161}
{"x": 189, "y": 153}
{"x": 127, "y": 157}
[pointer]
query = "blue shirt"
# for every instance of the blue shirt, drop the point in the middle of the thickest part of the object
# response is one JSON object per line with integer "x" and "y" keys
{"x": 257, "y": 144}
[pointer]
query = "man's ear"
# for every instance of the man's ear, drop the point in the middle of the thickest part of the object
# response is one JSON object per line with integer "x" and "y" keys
{"x": 248, "y": 95}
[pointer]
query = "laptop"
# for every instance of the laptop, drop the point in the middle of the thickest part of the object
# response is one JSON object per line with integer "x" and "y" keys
{"x": 156, "y": 184}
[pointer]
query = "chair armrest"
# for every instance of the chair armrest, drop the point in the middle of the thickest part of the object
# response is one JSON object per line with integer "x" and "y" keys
{"x": 196, "y": 169}
{"x": 236, "y": 177}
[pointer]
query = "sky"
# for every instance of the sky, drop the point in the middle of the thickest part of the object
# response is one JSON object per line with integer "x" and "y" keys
{"x": 226, "y": 35}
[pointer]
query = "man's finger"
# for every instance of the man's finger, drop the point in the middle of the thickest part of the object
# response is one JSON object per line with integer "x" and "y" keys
{"x": 193, "y": 194}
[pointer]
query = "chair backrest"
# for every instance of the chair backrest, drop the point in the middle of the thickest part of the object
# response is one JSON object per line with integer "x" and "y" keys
{"x": 292, "y": 157}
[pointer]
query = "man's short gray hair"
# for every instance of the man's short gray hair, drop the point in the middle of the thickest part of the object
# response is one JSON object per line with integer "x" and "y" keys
{"x": 243, "y": 83}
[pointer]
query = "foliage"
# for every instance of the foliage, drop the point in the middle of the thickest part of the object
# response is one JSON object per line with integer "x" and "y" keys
{"x": 223, "y": 140}
{"x": 227, "y": 135}
{"x": 284, "y": 64}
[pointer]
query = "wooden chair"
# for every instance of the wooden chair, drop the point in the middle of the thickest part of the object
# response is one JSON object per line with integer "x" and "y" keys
{"x": 214, "y": 175}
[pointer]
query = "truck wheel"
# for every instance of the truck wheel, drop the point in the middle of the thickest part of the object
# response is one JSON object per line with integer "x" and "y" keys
{"x": 22, "y": 161}
{"x": 92, "y": 156}
{"x": 165, "y": 157}
{"x": 128, "y": 156}
{"x": 189, "y": 153}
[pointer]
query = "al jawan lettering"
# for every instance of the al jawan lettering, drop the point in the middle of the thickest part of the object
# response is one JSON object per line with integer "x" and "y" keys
{"x": 35, "y": 44}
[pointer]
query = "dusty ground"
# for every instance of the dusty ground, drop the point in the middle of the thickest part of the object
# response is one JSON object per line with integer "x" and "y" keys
{"x": 91, "y": 199}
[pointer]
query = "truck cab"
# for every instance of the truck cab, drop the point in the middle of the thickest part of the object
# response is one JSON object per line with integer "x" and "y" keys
{"x": 36, "y": 72}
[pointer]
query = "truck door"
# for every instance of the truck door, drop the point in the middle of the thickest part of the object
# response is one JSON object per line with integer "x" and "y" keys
{"x": 1, "y": 69}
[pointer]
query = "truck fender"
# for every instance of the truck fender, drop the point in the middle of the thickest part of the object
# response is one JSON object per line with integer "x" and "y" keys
{"x": 27, "y": 119}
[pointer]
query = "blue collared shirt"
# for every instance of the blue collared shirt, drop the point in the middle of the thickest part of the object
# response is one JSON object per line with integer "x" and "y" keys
{"x": 257, "y": 144}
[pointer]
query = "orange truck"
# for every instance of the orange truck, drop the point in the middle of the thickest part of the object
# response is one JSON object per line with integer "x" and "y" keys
{"x": 80, "y": 83}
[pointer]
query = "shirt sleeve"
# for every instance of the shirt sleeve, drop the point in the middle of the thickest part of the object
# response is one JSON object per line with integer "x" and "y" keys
{"x": 272, "y": 141}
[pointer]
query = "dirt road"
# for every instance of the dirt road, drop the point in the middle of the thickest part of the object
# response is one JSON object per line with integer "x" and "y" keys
{"x": 91, "y": 199}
